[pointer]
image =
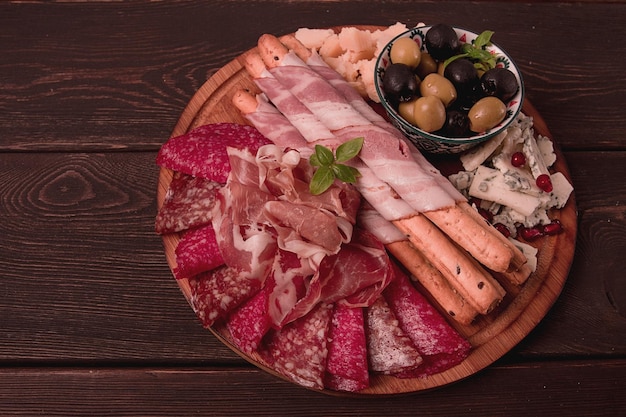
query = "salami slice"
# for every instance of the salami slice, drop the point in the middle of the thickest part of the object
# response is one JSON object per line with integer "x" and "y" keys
{"x": 216, "y": 293}
{"x": 299, "y": 350}
{"x": 440, "y": 345}
{"x": 187, "y": 204}
{"x": 202, "y": 152}
{"x": 347, "y": 368}
{"x": 251, "y": 321}
{"x": 197, "y": 252}
{"x": 389, "y": 349}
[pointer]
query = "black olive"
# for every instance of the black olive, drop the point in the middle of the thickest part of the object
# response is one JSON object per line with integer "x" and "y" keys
{"x": 399, "y": 83}
{"x": 442, "y": 41}
{"x": 457, "y": 124}
{"x": 499, "y": 82}
{"x": 463, "y": 75}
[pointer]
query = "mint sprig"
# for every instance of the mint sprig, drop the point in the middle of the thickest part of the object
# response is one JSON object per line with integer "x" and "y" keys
{"x": 330, "y": 166}
{"x": 476, "y": 52}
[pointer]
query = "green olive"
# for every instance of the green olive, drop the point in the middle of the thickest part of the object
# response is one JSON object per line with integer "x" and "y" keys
{"x": 405, "y": 51}
{"x": 438, "y": 86}
{"x": 427, "y": 65}
{"x": 406, "y": 110}
{"x": 429, "y": 113}
{"x": 486, "y": 113}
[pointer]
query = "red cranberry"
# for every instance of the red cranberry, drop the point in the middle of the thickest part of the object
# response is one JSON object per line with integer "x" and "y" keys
{"x": 553, "y": 228}
{"x": 487, "y": 215}
{"x": 544, "y": 182}
{"x": 502, "y": 229}
{"x": 530, "y": 233}
{"x": 518, "y": 159}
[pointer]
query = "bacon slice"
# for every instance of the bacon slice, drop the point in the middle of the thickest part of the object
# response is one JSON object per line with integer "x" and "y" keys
{"x": 299, "y": 350}
{"x": 197, "y": 252}
{"x": 188, "y": 204}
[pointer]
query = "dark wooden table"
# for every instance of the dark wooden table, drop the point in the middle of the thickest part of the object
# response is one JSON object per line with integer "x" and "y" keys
{"x": 92, "y": 321}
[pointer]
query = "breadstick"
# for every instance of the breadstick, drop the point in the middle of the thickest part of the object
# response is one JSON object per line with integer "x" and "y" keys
{"x": 473, "y": 236}
{"x": 432, "y": 280}
{"x": 473, "y": 283}
{"x": 519, "y": 259}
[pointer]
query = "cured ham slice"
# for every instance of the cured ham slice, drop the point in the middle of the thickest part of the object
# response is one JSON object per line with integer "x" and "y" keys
{"x": 216, "y": 293}
{"x": 347, "y": 367}
{"x": 188, "y": 204}
{"x": 299, "y": 350}
{"x": 197, "y": 252}
{"x": 356, "y": 276}
{"x": 390, "y": 351}
{"x": 202, "y": 152}
{"x": 440, "y": 346}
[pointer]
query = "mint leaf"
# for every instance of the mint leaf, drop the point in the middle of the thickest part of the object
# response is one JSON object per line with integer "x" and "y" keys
{"x": 324, "y": 155}
{"x": 329, "y": 168}
{"x": 484, "y": 39}
{"x": 314, "y": 161}
{"x": 349, "y": 149}
{"x": 345, "y": 173}
{"x": 322, "y": 179}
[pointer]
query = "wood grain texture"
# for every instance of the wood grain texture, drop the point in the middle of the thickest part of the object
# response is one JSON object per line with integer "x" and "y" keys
{"x": 117, "y": 75}
{"x": 569, "y": 388}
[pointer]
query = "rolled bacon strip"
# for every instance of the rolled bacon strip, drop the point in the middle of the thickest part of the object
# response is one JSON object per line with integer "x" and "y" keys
{"x": 387, "y": 155}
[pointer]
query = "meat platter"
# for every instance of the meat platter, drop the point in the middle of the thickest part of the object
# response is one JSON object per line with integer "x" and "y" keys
{"x": 491, "y": 336}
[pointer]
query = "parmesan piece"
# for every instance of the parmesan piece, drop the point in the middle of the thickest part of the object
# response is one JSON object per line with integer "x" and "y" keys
{"x": 313, "y": 38}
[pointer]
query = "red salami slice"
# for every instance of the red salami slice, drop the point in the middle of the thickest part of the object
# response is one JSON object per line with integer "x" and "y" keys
{"x": 299, "y": 350}
{"x": 202, "y": 151}
{"x": 250, "y": 322}
{"x": 389, "y": 349}
{"x": 187, "y": 204}
{"x": 440, "y": 345}
{"x": 347, "y": 368}
{"x": 216, "y": 293}
{"x": 197, "y": 252}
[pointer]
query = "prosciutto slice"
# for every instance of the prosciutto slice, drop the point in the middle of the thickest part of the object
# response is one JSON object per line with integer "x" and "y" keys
{"x": 355, "y": 276}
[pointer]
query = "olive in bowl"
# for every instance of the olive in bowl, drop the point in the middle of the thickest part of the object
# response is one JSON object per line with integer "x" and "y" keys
{"x": 478, "y": 87}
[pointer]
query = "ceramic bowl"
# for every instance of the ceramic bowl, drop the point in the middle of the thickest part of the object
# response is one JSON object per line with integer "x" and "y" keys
{"x": 434, "y": 142}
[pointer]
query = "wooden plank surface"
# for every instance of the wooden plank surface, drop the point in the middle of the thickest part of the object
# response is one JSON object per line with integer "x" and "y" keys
{"x": 91, "y": 320}
{"x": 580, "y": 390}
{"x": 117, "y": 75}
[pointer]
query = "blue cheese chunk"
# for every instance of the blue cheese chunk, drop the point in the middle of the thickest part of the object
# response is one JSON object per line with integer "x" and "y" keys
{"x": 561, "y": 190}
{"x": 529, "y": 251}
{"x": 534, "y": 159}
{"x": 476, "y": 156}
{"x": 490, "y": 184}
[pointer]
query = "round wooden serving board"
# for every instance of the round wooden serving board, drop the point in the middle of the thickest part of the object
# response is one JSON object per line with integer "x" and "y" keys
{"x": 491, "y": 336}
